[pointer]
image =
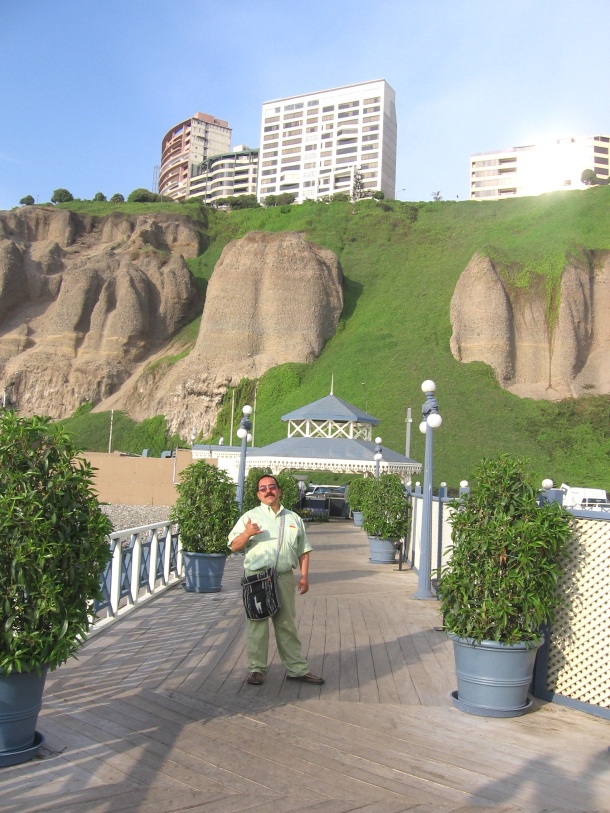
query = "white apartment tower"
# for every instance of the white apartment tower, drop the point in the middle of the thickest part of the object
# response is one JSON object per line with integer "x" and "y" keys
{"x": 185, "y": 147}
{"x": 314, "y": 144}
{"x": 536, "y": 168}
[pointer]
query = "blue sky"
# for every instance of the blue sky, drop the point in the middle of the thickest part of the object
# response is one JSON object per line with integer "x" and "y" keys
{"x": 88, "y": 88}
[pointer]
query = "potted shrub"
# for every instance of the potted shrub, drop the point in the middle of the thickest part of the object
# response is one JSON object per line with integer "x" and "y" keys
{"x": 356, "y": 494}
{"x": 205, "y": 512}
{"x": 53, "y": 550}
{"x": 386, "y": 515}
{"x": 498, "y": 588}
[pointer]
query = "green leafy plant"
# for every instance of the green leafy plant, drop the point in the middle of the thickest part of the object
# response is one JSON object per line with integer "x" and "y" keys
{"x": 385, "y": 508}
{"x": 53, "y": 545}
{"x": 288, "y": 484}
{"x": 205, "y": 509}
{"x": 500, "y": 581}
{"x": 357, "y": 491}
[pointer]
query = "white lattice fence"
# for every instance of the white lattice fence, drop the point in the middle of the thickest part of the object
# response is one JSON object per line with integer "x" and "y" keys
{"x": 578, "y": 665}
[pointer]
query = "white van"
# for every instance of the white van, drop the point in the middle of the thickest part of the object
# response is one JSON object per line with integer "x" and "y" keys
{"x": 585, "y": 499}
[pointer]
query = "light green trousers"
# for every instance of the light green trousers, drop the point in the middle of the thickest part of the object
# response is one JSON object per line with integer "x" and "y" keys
{"x": 286, "y": 635}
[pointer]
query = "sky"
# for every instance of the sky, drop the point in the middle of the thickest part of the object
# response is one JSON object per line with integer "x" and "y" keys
{"x": 88, "y": 88}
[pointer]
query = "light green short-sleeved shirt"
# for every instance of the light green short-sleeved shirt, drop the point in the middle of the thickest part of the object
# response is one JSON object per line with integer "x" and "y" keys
{"x": 261, "y": 550}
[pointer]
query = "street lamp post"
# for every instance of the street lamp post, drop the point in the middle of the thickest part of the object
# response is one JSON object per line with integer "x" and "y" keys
{"x": 378, "y": 456}
{"x": 431, "y": 420}
{"x": 243, "y": 433}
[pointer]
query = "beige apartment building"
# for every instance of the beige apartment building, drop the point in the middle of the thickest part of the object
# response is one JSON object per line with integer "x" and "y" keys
{"x": 229, "y": 173}
{"x": 547, "y": 166}
{"x": 185, "y": 147}
{"x": 314, "y": 144}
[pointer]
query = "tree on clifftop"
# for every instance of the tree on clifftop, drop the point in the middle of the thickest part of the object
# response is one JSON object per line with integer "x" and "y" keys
{"x": 589, "y": 178}
{"x": 141, "y": 195}
{"x": 99, "y": 196}
{"x": 62, "y": 196}
{"x": 117, "y": 198}
{"x": 28, "y": 200}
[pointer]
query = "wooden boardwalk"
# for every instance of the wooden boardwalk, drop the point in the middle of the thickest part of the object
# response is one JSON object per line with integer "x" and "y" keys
{"x": 156, "y": 716}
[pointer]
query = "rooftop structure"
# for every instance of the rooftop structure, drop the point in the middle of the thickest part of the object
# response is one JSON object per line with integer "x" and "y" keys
{"x": 536, "y": 168}
{"x": 318, "y": 144}
{"x": 185, "y": 146}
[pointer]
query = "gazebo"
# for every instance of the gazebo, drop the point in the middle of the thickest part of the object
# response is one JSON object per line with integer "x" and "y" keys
{"x": 327, "y": 435}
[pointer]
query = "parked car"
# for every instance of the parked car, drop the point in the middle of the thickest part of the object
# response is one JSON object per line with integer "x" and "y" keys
{"x": 325, "y": 491}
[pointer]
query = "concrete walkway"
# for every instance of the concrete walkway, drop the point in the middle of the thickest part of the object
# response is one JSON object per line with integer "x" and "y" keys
{"x": 156, "y": 716}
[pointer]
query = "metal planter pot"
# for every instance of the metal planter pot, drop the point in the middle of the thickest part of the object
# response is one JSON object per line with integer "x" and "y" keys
{"x": 203, "y": 572}
{"x": 493, "y": 678}
{"x": 358, "y": 517}
{"x": 20, "y": 703}
{"x": 383, "y": 551}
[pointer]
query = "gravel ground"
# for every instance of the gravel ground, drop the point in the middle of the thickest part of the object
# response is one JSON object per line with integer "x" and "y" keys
{"x": 132, "y": 516}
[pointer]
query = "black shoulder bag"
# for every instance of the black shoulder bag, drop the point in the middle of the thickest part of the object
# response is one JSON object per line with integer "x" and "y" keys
{"x": 260, "y": 591}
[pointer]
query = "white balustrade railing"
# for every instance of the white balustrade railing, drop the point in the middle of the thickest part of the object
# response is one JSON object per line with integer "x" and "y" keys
{"x": 145, "y": 561}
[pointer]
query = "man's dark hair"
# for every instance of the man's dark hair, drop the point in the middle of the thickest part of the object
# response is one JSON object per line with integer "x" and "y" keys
{"x": 270, "y": 476}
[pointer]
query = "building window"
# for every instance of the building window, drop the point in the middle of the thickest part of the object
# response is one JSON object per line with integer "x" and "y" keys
{"x": 602, "y": 150}
{"x": 369, "y": 128}
{"x": 347, "y": 150}
{"x": 270, "y": 137}
{"x": 312, "y": 121}
{"x": 270, "y": 154}
{"x": 346, "y": 105}
{"x": 373, "y": 100}
{"x": 327, "y": 118}
{"x": 324, "y": 153}
{"x": 347, "y": 114}
{"x": 296, "y": 106}
{"x": 599, "y": 160}
{"x": 309, "y": 147}
{"x": 288, "y": 124}
{"x": 271, "y": 128}
{"x": 288, "y": 141}
{"x": 269, "y": 163}
{"x": 313, "y": 103}
{"x": 291, "y": 150}
{"x": 328, "y": 109}
{"x": 310, "y": 165}
{"x": 271, "y": 119}
{"x": 311, "y": 130}
{"x": 269, "y": 172}
{"x": 349, "y": 159}
{"x": 292, "y": 116}
{"x": 371, "y": 109}
{"x": 368, "y": 119}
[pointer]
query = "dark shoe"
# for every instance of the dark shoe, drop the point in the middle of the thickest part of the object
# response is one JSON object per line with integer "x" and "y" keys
{"x": 255, "y": 678}
{"x": 308, "y": 678}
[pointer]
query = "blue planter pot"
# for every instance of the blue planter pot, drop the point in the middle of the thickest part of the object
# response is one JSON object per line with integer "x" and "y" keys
{"x": 383, "y": 551}
{"x": 493, "y": 678}
{"x": 203, "y": 572}
{"x": 20, "y": 703}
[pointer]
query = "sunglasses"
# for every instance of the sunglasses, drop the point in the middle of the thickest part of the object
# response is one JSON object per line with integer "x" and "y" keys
{"x": 263, "y": 489}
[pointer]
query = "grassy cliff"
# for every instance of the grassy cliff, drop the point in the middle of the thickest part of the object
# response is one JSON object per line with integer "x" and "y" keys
{"x": 401, "y": 262}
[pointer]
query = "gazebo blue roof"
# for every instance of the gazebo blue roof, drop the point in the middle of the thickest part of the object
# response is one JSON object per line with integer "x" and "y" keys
{"x": 331, "y": 449}
{"x": 330, "y": 408}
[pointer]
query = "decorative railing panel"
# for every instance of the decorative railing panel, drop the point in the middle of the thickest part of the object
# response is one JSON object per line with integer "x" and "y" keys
{"x": 144, "y": 562}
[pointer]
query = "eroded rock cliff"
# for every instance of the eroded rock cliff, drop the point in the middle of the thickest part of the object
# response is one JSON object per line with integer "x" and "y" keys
{"x": 87, "y": 304}
{"x": 83, "y": 300}
{"x": 535, "y": 349}
{"x": 273, "y": 298}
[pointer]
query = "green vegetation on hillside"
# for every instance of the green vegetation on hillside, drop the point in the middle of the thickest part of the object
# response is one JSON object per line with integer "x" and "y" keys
{"x": 401, "y": 262}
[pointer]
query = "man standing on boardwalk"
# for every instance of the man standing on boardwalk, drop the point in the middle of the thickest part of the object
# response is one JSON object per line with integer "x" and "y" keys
{"x": 257, "y": 531}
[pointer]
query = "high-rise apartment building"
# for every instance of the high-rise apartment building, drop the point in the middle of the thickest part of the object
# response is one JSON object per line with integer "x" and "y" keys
{"x": 229, "y": 173}
{"x": 315, "y": 144}
{"x": 186, "y": 146}
{"x": 537, "y": 168}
